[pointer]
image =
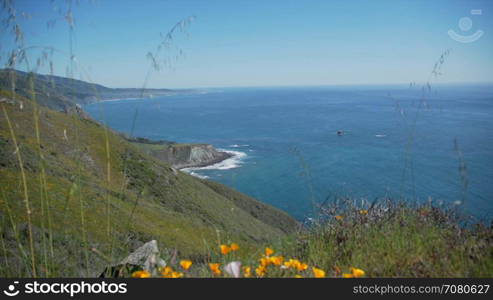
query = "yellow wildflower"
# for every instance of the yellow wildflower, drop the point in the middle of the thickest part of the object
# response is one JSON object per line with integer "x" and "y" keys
{"x": 215, "y": 269}
{"x": 175, "y": 275}
{"x": 186, "y": 264}
{"x": 363, "y": 212}
{"x": 339, "y": 218}
{"x": 260, "y": 271}
{"x": 298, "y": 276}
{"x": 247, "y": 272}
{"x": 264, "y": 261}
{"x": 291, "y": 263}
{"x": 318, "y": 273}
{"x": 225, "y": 249}
{"x": 234, "y": 247}
{"x": 276, "y": 260}
{"x": 301, "y": 266}
{"x": 294, "y": 263}
{"x": 141, "y": 274}
{"x": 269, "y": 251}
{"x": 357, "y": 272}
{"x": 166, "y": 271}
{"x": 346, "y": 275}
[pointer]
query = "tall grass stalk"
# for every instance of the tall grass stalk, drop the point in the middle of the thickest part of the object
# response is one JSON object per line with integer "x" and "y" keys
{"x": 78, "y": 192}
{"x": 462, "y": 171}
{"x": 155, "y": 65}
{"x": 24, "y": 190}
{"x": 17, "y": 57}
{"x": 309, "y": 182}
{"x": 425, "y": 89}
{"x": 42, "y": 187}
{"x": 42, "y": 180}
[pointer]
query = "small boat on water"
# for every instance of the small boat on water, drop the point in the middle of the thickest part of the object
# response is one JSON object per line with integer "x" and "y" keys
{"x": 340, "y": 132}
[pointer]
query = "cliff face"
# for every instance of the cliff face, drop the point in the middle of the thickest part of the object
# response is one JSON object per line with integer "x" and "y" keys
{"x": 185, "y": 155}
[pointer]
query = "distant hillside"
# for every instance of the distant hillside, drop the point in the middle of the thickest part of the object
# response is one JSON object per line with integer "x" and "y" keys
{"x": 183, "y": 155}
{"x": 61, "y": 93}
{"x": 71, "y": 200}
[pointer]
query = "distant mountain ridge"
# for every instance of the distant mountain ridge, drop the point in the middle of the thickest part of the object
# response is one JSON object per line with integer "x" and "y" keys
{"x": 62, "y": 94}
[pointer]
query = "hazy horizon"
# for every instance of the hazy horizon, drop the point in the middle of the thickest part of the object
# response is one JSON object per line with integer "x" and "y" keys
{"x": 396, "y": 84}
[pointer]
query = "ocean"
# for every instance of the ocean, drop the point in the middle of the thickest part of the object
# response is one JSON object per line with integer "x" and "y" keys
{"x": 288, "y": 153}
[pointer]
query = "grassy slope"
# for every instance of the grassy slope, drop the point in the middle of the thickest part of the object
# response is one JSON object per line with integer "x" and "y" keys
{"x": 151, "y": 201}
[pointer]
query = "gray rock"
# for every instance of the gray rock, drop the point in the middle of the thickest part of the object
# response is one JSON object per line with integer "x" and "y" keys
{"x": 181, "y": 156}
{"x": 145, "y": 258}
{"x": 6, "y": 100}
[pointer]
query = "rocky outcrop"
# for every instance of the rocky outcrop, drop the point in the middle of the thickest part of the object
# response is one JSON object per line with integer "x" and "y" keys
{"x": 185, "y": 155}
{"x": 145, "y": 258}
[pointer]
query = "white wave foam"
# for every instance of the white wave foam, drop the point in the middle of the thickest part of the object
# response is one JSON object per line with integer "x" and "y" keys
{"x": 380, "y": 135}
{"x": 234, "y": 161}
{"x": 238, "y": 146}
{"x": 195, "y": 174}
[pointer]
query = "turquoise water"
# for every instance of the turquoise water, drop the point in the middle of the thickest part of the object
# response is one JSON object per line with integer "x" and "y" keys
{"x": 288, "y": 152}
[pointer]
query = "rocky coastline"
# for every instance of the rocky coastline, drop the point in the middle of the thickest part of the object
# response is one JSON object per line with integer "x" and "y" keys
{"x": 181, "y": 156}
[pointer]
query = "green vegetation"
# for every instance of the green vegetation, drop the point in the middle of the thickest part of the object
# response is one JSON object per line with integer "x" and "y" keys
{"x": 397, "y": 240}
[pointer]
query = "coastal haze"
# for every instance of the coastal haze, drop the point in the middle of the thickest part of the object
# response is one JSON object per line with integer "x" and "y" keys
{"x": 287, "y": 151}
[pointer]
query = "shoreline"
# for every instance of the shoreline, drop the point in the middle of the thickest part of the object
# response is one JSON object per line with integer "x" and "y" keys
{"x": 167, "y": 94}
{"x": 188, "y": 156}
{"x": 233, "y": 161}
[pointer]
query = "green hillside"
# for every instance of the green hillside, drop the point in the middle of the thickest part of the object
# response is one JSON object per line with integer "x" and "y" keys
{"x": 61, "y": 93}
{"x": 94, "y": 197}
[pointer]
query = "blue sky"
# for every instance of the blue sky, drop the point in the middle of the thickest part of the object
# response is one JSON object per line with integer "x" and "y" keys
{"x": 267, "y": 43}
